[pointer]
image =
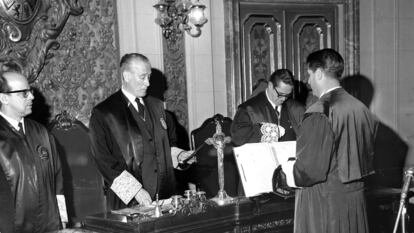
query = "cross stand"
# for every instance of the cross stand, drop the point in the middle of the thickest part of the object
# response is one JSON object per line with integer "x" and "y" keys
{"x": 218, "y": 141}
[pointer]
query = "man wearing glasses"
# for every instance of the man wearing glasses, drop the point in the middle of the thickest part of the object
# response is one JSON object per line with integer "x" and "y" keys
{"x": 270, "y": 116}
{"x": 30, "y": 171}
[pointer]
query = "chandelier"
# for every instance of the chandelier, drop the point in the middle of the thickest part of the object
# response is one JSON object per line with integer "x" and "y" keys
{"x": 176, "y": 16}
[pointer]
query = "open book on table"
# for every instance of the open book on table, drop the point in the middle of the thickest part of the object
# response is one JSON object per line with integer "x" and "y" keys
{"x": 256, "y": 163}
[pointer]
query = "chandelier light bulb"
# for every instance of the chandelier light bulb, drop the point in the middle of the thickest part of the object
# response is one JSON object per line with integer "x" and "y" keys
{"x": 176, "y": 16}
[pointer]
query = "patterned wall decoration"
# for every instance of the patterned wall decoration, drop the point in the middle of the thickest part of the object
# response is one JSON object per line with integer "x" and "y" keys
{"x": 260, "y": 53}
{"x": 309, "y": 41}
{"x": 311, "y": 33}
{"x": 29, "y": 29}
{"x": 84, "y": 70}
{"x": 175, "y": 72}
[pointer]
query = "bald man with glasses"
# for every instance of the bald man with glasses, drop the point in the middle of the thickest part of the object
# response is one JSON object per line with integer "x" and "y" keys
{"x": 271, "y": 115}
{"x": 30, "y": 170}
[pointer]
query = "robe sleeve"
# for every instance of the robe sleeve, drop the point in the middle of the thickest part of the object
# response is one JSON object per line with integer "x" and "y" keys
{"x": 7, "y": 211}
{"x": 57, "y": 165}
{"x": 171, "y": 129}
{"x": 102, "y": 144}
{"x": 243, "y": 130}
{"x": 314, "y": 149}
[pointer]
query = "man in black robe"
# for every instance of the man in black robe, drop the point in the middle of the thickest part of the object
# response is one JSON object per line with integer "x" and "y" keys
{"x": 129, "y": 135}
{"x": 271, "y": 115}
{"x": 28, "y": 163}
{"x": 334, "y": 153}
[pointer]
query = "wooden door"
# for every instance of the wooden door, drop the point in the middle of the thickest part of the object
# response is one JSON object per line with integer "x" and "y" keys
{"x": 269, "y": 35}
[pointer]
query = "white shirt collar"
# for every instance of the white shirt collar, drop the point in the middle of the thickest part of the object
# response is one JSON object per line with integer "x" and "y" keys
{"x": 278, "y": 108}
{"x": 132, "y": 98}
{"x": 329, "y": 90}
{"x": 12, "y": 121}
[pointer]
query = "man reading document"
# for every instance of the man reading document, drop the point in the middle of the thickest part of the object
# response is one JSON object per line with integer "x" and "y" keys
{"x": 270, "y": 116}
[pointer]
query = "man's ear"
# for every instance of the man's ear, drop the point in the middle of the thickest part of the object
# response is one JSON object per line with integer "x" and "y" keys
{"x": 319, "y": 74}
{"x": 270, "y": 85}
{"x": 4, "y": 99}
{"x": 125, "y": 76}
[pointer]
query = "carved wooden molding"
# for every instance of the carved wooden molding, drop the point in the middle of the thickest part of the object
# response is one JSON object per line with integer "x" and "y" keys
{"x": 64, "y": 121}
{"x": 28, "y": 30}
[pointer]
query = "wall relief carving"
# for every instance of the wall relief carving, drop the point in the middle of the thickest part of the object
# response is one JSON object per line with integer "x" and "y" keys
{"x": 81, "y": 71}
{"x": 29, "y": 29}
{"x": 84, "y": 70}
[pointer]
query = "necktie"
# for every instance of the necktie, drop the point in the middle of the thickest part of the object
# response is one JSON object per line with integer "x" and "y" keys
{"x": 277, "y": 113}
{"x": 141, "y": 109}
{"x": 21, "y": 128}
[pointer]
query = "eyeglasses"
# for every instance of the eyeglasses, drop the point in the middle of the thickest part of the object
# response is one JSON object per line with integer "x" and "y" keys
{"x": 25, "y": 92}
{"x": 283, "y": 95}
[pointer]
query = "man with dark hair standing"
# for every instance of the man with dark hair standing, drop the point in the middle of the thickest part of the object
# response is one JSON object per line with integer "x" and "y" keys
{"x": 271, "y": 115}
{"x": 28, "y": 163}
{"x": 334, "y": 153}
{"x": 130, "y": 142}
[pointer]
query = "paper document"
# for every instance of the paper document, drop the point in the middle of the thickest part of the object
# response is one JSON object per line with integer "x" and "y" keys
{"x": 257, "y": 162}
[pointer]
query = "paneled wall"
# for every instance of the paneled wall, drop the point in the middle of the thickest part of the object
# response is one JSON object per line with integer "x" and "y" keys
{"x": 387, "y": 58}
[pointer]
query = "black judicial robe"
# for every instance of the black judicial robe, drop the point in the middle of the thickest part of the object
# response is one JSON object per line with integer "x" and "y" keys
{"x": 31, "y": 166}
{"x": 122, "y": 141}
{"x": 251, "y": 114}
{"x": 335, "y": 150}
{"x": 7, "y": 207}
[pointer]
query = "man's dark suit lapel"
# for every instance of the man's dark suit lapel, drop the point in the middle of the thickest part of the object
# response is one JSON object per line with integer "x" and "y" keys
{"x": 133, "y": 144}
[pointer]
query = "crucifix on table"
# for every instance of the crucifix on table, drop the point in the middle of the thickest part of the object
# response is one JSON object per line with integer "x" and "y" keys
{"x": 218, "y": 141}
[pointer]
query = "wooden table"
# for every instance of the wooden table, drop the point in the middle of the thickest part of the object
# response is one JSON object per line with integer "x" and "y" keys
{"x": 267, "y": 213}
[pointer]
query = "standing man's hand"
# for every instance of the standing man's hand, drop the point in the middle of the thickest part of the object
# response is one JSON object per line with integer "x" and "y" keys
{"x": 143, "y": 197}
{"x": 184, "y": 155}
{"x": 178, "y": 155}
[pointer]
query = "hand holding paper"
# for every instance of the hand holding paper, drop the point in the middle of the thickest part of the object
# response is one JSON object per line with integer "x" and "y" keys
{"x": 257, "y": 162}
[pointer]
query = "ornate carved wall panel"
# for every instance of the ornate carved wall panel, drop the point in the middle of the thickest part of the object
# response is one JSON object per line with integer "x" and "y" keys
{"x": 262, "y": 49}
{"x": 310, "y": 29}
{"x": 84, "y": 70}
{"x": 81, "y": 71}
{"x": 29, "y": 28}
{"x": 175, "y": 72}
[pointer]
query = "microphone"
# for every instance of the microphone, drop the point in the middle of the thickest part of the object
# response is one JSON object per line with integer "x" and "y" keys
{"x": 408, "y": 177}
